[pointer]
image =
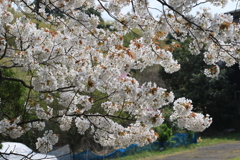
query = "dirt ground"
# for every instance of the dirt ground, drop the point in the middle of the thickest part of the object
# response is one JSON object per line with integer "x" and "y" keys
{"x": 216, "y": 152}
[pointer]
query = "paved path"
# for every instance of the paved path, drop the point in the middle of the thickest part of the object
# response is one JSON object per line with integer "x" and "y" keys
{"x": 216, "y": 152}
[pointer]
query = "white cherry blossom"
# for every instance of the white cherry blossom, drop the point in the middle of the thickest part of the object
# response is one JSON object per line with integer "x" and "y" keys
{"x": 83, "y": 68}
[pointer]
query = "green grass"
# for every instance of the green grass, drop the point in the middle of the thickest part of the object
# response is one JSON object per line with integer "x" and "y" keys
{"x": 237, "y": 158}
{"x": 206, "y": 141}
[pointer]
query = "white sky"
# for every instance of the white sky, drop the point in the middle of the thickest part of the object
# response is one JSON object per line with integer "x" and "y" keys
{"x": 153, "y": 3}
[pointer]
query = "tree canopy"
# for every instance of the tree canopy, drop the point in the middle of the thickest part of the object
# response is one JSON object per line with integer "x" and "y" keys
{"x": 214, "y": 96}
{"x": 78, "y": 72}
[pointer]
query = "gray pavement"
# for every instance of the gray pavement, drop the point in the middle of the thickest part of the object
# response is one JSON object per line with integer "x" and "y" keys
{"x": 216, "y": 152}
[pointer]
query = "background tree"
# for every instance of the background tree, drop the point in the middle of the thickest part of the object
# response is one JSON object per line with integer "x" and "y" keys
{"x": 210, "y": 95}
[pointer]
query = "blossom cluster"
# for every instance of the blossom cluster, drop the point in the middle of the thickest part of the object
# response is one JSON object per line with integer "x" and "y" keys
{"x": 45, "y": 143}
{"x": 85, "y": 69}
{"x": 186, "y": 118}
{"x": 10, "y": 127}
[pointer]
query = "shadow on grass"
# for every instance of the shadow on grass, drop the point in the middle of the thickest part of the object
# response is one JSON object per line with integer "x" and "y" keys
{"x": 235, "y": 136}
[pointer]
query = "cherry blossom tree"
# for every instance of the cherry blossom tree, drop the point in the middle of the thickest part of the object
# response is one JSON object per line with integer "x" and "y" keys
{"x": 74, "y": 59}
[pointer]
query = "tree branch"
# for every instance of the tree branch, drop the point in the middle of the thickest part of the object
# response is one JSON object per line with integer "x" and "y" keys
{"x": 16, "y": 80}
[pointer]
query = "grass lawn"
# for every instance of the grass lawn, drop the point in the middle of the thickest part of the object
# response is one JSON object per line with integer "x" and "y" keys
{"x": 205, "y": 141}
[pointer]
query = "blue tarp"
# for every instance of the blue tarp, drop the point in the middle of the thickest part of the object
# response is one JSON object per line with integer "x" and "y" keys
{"x": 177, "y": 140}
